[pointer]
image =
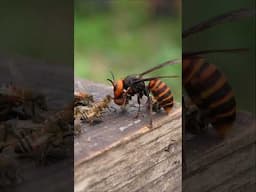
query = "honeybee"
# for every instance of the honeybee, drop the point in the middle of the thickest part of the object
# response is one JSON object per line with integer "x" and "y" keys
{"x": 82, "y": 101}
{"x": 81, "y": 98}
{"x": 54, "y": 134}
{"x": 60, "y": 122}
{"x": 93, "y": 112}
{"x": 21, "y": 103}
{"x": 37, "y": 145}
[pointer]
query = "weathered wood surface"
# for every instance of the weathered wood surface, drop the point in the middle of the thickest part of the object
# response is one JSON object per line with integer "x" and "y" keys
{"x": 122, "y": 154}
{"x": 52, "y": 178}
{"x": 223, "y": 165}
{"x": 56, "y": 82}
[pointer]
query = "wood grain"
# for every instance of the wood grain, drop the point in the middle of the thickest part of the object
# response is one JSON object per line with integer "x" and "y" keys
{"x": 222, "y": 165}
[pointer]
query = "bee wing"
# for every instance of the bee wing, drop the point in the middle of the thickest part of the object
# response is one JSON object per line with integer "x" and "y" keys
{"x": 227, "y": 17}
{"x": 157, "y": 77}
{"x": 209, "y": 51}
{"x": 170, "y": 62}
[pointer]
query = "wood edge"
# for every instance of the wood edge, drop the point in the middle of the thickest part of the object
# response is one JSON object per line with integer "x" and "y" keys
{"x": 132, "y": 136}
{"x": 248, "y": 136}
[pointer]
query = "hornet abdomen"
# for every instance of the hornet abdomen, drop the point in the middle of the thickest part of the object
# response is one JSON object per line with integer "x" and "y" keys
{"x": 209, "y": 89}
{"x": 161, "y": 93}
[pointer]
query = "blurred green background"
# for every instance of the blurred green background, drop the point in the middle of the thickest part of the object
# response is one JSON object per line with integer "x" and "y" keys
{"x": 239, "y": 68}
{"x": 127, "y": 37}
{"x": 42, "y": 30}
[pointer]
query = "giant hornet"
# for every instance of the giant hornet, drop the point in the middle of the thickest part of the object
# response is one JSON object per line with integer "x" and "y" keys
{"x": 205, "y": 84}
{"x": 125, "y": 89}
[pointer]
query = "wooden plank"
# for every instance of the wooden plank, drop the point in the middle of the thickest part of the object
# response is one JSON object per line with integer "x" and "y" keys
{"x": 119, "y": 168}
{"x": 218, "y": 163}
{"x": 221, "y": 171}
{"x": 171, "y": 181}
{"x": 117, "y": 157}
{"x": 244, "y": 181}
{"x": 248, "y": 187}
{"x": 43, "y": 178}
{"x": 206, "y": 149}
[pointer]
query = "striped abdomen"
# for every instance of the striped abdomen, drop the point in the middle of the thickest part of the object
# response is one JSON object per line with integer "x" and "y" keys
{"x": 161, "y": 93}
{"x": 31, "y": 142}
{"x": 209, "y": 90}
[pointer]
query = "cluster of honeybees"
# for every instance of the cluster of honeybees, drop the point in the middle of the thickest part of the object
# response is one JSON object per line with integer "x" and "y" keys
{"x": 88, "y": 110}
{"x": 29, "y": 132}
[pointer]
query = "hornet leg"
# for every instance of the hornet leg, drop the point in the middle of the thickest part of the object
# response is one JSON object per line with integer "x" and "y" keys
{"x": 125, "y": 94}
{"x": 150, "y": 103}
{"x": 138, "y": 112}
{"x": 150, "y": 112}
